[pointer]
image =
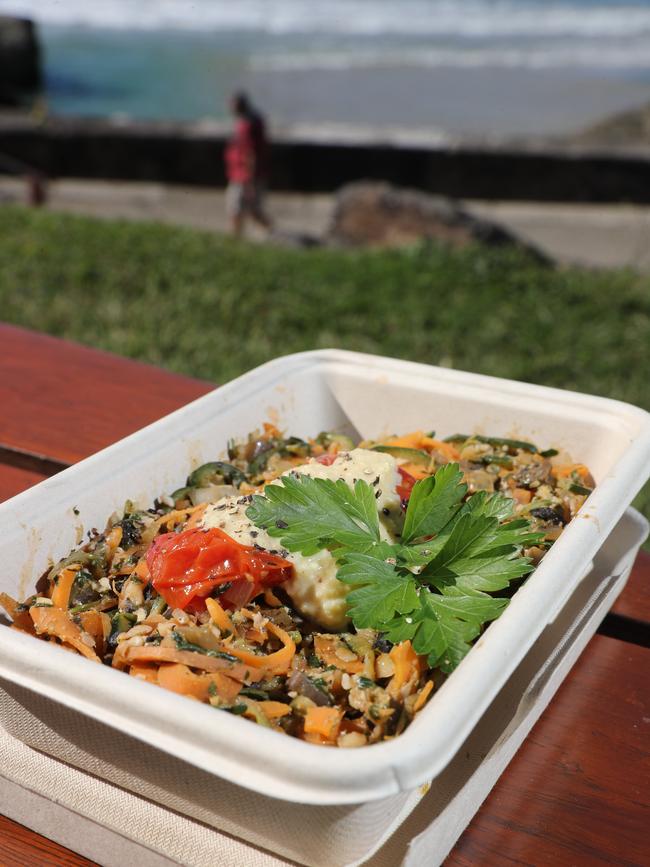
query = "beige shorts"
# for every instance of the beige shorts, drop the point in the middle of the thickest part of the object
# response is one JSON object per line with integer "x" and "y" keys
{"x": 245, "y": 198}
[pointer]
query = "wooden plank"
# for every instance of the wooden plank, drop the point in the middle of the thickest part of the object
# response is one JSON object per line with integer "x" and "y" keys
{"x": 634, "y": 601}
{"x": 14, "y": 480}
{"x": 65, "y": 401}
{"x": 20, "y": 847}
{"x": 577, "y": 791}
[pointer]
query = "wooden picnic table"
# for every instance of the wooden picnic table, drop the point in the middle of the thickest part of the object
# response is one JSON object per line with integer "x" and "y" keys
{"x": 576, "y": 793}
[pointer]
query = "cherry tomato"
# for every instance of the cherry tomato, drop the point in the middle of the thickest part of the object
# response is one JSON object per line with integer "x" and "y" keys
{"x": 186, "y": 567}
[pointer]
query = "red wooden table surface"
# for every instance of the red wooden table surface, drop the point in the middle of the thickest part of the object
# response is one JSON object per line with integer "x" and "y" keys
{"x": 576, "y": 793}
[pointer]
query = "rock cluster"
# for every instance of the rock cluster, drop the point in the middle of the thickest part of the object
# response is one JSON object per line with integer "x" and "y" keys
{"x": 381, "y": 215}
{"x": 20, "y": 60}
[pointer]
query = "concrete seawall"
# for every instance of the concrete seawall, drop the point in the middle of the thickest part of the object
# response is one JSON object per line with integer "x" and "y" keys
{"x": 193, "y": 155}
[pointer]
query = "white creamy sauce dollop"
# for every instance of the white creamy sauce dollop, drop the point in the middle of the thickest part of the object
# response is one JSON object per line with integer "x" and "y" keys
{"x": 313, "y": 588}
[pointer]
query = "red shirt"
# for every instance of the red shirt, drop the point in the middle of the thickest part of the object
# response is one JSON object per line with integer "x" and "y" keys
{"x": 247, "y": 152}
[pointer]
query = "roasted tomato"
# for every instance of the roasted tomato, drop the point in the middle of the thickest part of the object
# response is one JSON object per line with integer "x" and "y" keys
{"x": 186, "y": 567}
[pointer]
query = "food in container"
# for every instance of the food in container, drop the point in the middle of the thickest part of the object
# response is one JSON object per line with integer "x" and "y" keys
{"x": 399, "y": 554}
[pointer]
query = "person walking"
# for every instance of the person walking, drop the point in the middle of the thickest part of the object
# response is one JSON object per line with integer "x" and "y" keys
{"x": 247, "y": 165}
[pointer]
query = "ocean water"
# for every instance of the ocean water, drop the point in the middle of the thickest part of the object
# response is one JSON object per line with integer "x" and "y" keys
{"x": 478, "y": 67}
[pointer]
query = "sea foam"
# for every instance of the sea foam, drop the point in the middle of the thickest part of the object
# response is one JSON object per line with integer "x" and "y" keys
{"x": 471, "y": 19}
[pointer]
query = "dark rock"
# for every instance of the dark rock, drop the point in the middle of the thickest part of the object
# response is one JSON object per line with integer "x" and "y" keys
{"x": 20, "y": 60}
{"x": 380, "y": 215}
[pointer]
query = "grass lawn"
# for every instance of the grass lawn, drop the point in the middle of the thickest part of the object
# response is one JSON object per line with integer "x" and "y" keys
{"x": 213, "y": 308}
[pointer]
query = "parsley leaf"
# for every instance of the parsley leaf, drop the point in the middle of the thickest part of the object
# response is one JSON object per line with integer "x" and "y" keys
{"x": 468, "y": 535}
{"x": 312, "y": 514}
{"x": 380, "y": 590}
{"x": 516, "y": 533}
{"x": 478, "y": 554}
{"x": 433, "y": 588}
{"x": 434, "y": 632}
{"x": 443, "y": 627}
{"x": 434, "y": 501}
{"x": 489, "y": 505}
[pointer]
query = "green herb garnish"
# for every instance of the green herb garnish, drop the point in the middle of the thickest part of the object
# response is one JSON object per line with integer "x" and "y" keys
{"x": 575, "y": 488}
{"x": 434, "y": 587}
{"x": 313, "y": 514}
{"x": 237, "y": 709}
{"x": 183, "y": 644}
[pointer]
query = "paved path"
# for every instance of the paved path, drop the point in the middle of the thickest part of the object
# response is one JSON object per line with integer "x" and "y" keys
{"x": 601, "y": 236}
{"x": 607, "y": 236}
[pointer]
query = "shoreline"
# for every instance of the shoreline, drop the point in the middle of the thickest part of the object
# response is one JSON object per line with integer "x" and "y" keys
{"x": 452, "y": 84}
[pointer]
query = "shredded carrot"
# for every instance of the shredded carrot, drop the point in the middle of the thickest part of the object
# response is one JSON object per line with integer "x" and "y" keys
{"x": 271, "y": 599}
{"x": 63, "y": 585}
{"x": 422, "y": 697}
{"x": 561, "y": 472}
{"x": 219, "y": 616}
{"x": 124, "y": 565}
{"x": 142, "y": 570}
{"x": 313, "y": 738}
{"x": 9, "y": 604}
{"x": 275, "y": 663}
{"x": 175, "y": 517}
{"x": 21, "y": 619}
{"x": 408, "y": 441}
{"x": 259, "y": 636}
{"x": 325, "y": 649}
{"x": 407, "y": 665}
{"x": 113, "y": 538}
{"x": 522, "y": 496}
{"x": 144, "y": 671}
{"x": 449, "y": 450}
{"x": 271, "y": 431}
{"x": 179, "y": 678}
{"x": 128, "y": 655}
{"x": 98, "y": 625}
{"x": 49, "y": 620}
{"x": 323, "y": 721}
{"x": 195, "y": 517}
{"x": 275, "y": 709}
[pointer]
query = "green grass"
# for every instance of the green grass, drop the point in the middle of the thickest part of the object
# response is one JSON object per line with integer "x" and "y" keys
{"x": 212, "y": 307}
